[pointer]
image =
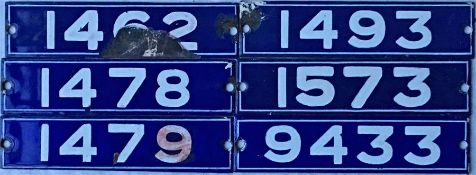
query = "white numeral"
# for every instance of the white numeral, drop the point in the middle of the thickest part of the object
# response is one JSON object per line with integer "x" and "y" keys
{"x": 377, "y": 29}
{"x": 139, "y": 75}
{"x": 374, "y": 74}
{"x": 430, "y": 133}
{"x": 138, "y": 132}
{"x": 416, "y": 83}
{"x": 337, "y": 150}
{"x": 86, "y": 151}
{"x": 304, "y": 84}
{"x": 417, "y": 27}
{"x": 327, "y": 34}
{"x": 50, "y": 29}
{"x": 92, "y": 35}
{"x": 125, "y": 17}
{"x": 184, "y": 145}
{"x": 85, "y": 93}
{"x": 45, "y": 142}
{"x": 293, "y": 144}
{"x": 282, "y": 95}
{"x": 45, "y": 87}
{"x": 165, "y": 87}
{"x": 184, "y": 30}
{"x": 284, "y": 29}
{"x": 383, "y": 133}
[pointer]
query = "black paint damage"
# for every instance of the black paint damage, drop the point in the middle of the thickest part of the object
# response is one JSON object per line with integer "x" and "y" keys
{"x": 133, "y": 42}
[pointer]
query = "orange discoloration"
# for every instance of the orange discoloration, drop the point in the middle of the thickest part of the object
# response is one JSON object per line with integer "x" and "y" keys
{"x": 184, "y": 145}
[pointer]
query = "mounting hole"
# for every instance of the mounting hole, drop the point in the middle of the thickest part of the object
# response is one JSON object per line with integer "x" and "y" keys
{"x": 228, "y": 145}
{"x": 7, "y": 85}
{"x": 465, "y": 88}
{"x": 246, "y": 28}
{"x": 463, "y": 145}
{"x": 243, "y": 86}
{"x": 230, "y": 87}
{"x": 241, "y": 144}
{"x": 12, "y": 29}
{"x": 468, "y": 30}
{"x": 233, "y": 31}
{"x": 6, "y": 143}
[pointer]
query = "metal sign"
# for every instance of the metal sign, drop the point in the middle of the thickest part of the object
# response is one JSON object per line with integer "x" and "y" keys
{"x": 85, "y": 29}
{"x": 302, "y": 86}
{"x": 118, "y": 86}
{"x": 353, "y": 145}
{"x": 384, "y": 29}
{"x": 354, "y": 86}
{"x": 137, "y": 144}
